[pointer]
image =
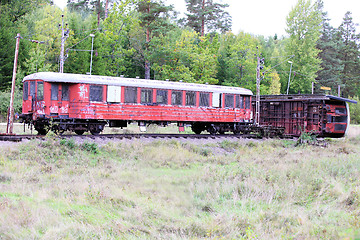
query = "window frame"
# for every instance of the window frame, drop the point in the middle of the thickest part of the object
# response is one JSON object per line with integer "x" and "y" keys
{"x": 32, "y": 89}
{"x": 247, "y": 102}
{"x": 166, "y": 96}
{"x": 229, "y": 103}
{"x": 177, "y": 93}
{"x": 239, "y": 101}
{"x": 53, "y": 92}
{"x": 66, "y": 97}
{"x": 192, "y": 98}
{"x": 96, "y": 93}
{"x": 40, "y": 91}
{"x": 148, "y": 95}
{"x": 130, "y": 98}
{"x": 26, "y": 91}
{"x": 201, "y": 99}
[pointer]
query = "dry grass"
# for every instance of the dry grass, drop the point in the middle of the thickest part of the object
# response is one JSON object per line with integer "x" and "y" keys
{"x": 232, "y": 189}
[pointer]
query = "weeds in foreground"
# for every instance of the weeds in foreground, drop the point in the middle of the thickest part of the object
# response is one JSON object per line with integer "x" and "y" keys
{"x": 179, "y": 190}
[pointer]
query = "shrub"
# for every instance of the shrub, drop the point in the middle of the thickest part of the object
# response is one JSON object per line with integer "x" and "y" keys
{"x": 90, "y": 147}
{"x": 355, "y": 111}
{"x": 5, "y": 101}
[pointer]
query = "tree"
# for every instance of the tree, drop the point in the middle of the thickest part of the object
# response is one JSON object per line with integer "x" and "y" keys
{"x": 349, "y": 48}
{"x": 303, "y": 26}
{"x": 114, "y": 45}
{"x": 78, "y": 45}
{"x": 154, "y": 18}
{"x": 184, "y": 55}
{"x": 45, "y": 28}
{"x": 207, "y": 14}
{"x": 12, "y": 21}
{"x": 329, "y": 45}
{"x": 275, "y": 85}
{"x": 237, "y": 63}
{"x": 273, "y": 51}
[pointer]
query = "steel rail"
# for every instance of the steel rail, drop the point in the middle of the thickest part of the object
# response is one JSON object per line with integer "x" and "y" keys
{"x": 19, "y": 138}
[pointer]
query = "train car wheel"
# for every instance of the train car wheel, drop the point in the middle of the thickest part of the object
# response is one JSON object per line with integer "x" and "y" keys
{"x": 211, "y": 129}
{"x": 95, "y": 131}
{"x": 41, "y": 131}
{"x": 79, "y": 132}
{"x": 236, "y": 132}
{"x": 197, "y": 128}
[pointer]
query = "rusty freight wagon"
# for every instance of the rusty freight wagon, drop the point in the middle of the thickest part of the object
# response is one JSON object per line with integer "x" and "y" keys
{"x": 324, "y": 115}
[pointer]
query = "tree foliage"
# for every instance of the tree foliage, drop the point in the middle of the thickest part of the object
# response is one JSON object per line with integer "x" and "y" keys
{"x": 154, "y": 19}
{"x": 207, "y": 15}
{"x": 349, "y": 57}
{"x": 303, "y": 26}
{"x": 142, "y": 38}
{"x": 329, "y": 45}
{"x": 186, "y": 56}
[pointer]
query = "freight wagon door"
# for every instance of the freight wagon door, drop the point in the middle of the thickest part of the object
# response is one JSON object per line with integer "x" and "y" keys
{"x": 59, "y": 100}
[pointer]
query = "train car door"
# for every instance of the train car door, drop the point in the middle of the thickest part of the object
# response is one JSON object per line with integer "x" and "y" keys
{"x": 59, "y": 100}
{"x": 33, "y": 98}
{"x": 27, "y": 105}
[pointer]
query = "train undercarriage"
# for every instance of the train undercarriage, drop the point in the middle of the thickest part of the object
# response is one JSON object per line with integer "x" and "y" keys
{"x": 79, "y": 126}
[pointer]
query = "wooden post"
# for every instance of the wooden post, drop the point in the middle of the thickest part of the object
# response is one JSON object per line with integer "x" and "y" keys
{"x": 10, "y": 122}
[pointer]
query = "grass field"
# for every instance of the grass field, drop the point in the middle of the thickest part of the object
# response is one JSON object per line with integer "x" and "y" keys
{"x": 180, "y": 189}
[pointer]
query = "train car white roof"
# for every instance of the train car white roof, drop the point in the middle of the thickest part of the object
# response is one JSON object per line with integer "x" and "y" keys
{"x": 133, "y": 82}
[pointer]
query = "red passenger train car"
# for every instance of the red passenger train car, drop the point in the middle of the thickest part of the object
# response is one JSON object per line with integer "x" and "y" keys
{"x": 80, "y": 103}
{"x": 323, "y": 115}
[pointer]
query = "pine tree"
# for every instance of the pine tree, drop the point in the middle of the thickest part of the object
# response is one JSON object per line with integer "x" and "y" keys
{"x": 328, "y": 44}
{"x": 154, "y": 18}
{"x": 207, "y": 14}
{"x": 349, "y": 49}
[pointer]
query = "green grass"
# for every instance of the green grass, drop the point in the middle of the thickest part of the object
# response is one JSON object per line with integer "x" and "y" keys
{"x": 179, "y": 189}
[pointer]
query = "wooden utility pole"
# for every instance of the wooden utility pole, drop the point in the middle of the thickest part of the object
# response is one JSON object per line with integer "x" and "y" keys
{"x": 10, "y": 120}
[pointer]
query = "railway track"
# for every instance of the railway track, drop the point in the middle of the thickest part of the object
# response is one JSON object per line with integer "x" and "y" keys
{"x": 19, "y": 138}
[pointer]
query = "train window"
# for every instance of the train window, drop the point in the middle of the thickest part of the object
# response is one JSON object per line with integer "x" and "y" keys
{"x": 65, "y": 92}
{"x": 96, "y": 93}
{"x": 204, "y": 99}
{"x": 247, "y": 102}
{"x": 176, "y": 97}
{"x": 40, "y": 91}
{"x": 146, "y": 96}
{"x": 229, "y": 100}
{"x": 239, "y": 101}
{"x": 54, "y": 91}
{"x": 26, "y": 90}
{"x": 162, "y": 96}
{"x": 32, "y": 89}
{"x": 340, "y": 110}
{"x": 130, "y": 94}
{"x": 340, "y": 119}
{"x": 190, "y": 99}
{"x": 340, "y": 127}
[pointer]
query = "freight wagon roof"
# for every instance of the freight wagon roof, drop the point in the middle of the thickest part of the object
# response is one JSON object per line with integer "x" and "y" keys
{"x": 303, "y": 97}
{"x": 133, "y": 82}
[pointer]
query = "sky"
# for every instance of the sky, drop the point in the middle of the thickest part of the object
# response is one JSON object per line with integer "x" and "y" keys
{"x": 268, "y": 17}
